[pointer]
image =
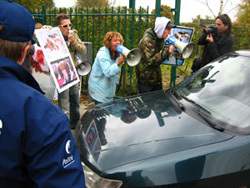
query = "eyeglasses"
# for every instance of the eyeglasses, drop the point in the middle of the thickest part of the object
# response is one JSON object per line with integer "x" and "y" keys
{"x": 65, "y": 26}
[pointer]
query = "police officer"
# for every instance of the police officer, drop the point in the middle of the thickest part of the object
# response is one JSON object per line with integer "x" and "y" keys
{"x": 37, "y": 148}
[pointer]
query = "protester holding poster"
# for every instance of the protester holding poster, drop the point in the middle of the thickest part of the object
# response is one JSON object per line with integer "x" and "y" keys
{"x": 69, "y": 99}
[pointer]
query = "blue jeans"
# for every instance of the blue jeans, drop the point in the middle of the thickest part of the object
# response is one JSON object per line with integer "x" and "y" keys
{"x": 68, "y": 101}
{"x": 148, "y": 88}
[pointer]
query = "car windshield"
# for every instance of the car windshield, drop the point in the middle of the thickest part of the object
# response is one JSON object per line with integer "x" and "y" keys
{"x": 222, "y": 90}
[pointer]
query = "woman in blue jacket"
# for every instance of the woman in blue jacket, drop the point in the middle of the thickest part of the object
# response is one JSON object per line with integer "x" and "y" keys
{"x": 105, "y": 71}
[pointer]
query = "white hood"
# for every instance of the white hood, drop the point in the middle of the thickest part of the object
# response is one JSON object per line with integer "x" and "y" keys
{"x": 160, "y": 25}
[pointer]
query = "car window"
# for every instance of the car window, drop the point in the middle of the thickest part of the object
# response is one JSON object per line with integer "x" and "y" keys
{"x": 222, "y": 88}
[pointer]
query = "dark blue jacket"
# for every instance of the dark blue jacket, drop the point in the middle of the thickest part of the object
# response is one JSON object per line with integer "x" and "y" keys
{"x": 37, "y": 148}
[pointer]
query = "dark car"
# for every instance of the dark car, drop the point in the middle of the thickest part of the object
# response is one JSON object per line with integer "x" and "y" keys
{"x": 196, "y": 134}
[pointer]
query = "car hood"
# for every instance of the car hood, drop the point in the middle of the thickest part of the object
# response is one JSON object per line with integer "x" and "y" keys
{"x": 140, "y": 128}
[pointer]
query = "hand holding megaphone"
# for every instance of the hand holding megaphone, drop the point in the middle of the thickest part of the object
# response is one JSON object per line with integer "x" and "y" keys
{"x": 133, "y": 57}
{"x": 185, "y": 48}
{"x": 71, "y": 37}
{"x": 121, "y": 60}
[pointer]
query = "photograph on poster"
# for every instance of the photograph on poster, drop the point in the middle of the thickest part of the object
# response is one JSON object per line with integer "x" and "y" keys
{"x": 52, "y": 42}
{"x": 183, "y": 34}
{"x": 64, "y": 72}
{"x": 92, "y": 139}
{"x": 58, "y": 58}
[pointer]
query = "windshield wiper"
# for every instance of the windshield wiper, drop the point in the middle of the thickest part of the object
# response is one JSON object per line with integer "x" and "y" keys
{"x": 199, "y": 106}
{"x": 175, "y": 99}
{"x": 201, "y": 113}
{"x": 210, "y": 123}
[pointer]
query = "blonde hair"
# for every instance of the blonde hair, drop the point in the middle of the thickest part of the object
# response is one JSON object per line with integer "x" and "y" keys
{"x": 109, "y": 36}
{"x": 38, "y": 26}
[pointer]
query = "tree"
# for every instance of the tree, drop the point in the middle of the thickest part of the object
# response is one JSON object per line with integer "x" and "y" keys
{"x": 34, "y": 4}
{"x": 92, "y": 3}
{"x": 166, "y": 11}
{"x": 112, "y": 3}
{"x": 223, "y": 8}
{"x": 243, "y": 15}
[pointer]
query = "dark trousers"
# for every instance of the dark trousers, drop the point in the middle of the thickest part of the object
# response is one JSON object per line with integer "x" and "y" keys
{"x": 97, "y": 102}
{"x": 197, "y": 64}
{"x": 143, "y": 88}
{"x": 68, "y": 101}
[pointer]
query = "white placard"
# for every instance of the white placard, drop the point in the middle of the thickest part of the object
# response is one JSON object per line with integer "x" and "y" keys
{"x": 58, "y": 58}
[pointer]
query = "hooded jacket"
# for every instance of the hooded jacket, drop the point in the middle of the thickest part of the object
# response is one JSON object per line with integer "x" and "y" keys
{"x": 154, "y": 52}
{"x": 160, "y": 25}
{"x": 36, "y": 143}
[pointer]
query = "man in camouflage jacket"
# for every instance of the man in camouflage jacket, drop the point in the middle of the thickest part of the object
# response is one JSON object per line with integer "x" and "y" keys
{"x": 154, "y": 52}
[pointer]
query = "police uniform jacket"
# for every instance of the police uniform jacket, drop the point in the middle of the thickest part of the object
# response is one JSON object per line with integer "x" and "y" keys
{"x": 37, "y": 148}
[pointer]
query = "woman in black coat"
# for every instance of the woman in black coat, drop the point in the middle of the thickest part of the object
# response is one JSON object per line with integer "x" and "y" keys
{"x": 217, "y": 40}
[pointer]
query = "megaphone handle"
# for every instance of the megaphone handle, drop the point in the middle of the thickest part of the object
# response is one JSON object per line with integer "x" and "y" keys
{"x": 121, "y": 60}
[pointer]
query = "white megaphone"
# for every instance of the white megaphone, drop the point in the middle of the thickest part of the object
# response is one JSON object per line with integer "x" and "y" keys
{"x": 133, "y": 57}
{"x": 185, "y": 48}
{"x": 83, "y": 67}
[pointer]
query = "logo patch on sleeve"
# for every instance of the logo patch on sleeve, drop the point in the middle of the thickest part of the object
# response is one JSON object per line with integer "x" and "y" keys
{"x": 70, "y": 159}
{"x": 1, "y": 126}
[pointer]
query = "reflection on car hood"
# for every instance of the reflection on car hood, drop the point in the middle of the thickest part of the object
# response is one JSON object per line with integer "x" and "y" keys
{"x": 139, "y": 128}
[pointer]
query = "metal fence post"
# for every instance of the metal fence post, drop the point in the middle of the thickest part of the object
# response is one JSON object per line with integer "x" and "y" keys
{"x": 176, "y": 22}
{"x": 157, "y": 8}
{"x": 44, "y": 22}
{"x": 132, "y": 4}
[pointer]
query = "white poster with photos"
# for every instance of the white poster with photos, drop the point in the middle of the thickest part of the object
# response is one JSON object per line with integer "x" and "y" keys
{"x": 184, "y": 35}
{"x": 58, "y": 58}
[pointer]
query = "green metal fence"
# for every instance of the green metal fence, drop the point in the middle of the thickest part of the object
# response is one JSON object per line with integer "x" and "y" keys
{"x": 93, "y": 23}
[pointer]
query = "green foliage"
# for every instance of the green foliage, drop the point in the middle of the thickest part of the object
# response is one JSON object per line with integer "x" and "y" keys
{"x": 92, "y": 3}
{"x": 166, "y": 11}
{"x": 243, "y": 15}
{"x": 241, "y": 36}
{"x": 93, "y": 23}
{"x": 33, "y": 5}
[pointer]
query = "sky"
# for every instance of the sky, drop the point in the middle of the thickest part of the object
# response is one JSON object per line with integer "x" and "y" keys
{"x": 189, "y": 8}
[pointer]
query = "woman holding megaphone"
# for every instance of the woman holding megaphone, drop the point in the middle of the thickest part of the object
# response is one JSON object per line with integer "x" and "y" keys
{"x": 106, "y": 68}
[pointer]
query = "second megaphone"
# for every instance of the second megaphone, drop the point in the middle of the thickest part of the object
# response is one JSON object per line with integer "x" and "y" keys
{"x": 83, "y": 67}
{"x": 186, "y": 48}
{"x": 133, "y": 57}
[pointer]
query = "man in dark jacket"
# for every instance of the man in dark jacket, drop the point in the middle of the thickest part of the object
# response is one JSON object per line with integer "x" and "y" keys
{"x": 36, "y": 143}
{"x": 217, "y": 41}
{"x": 154, "y": 52}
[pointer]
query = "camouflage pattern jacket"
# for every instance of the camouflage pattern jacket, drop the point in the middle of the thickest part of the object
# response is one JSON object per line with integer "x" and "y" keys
{"x": 148, "y": 71}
